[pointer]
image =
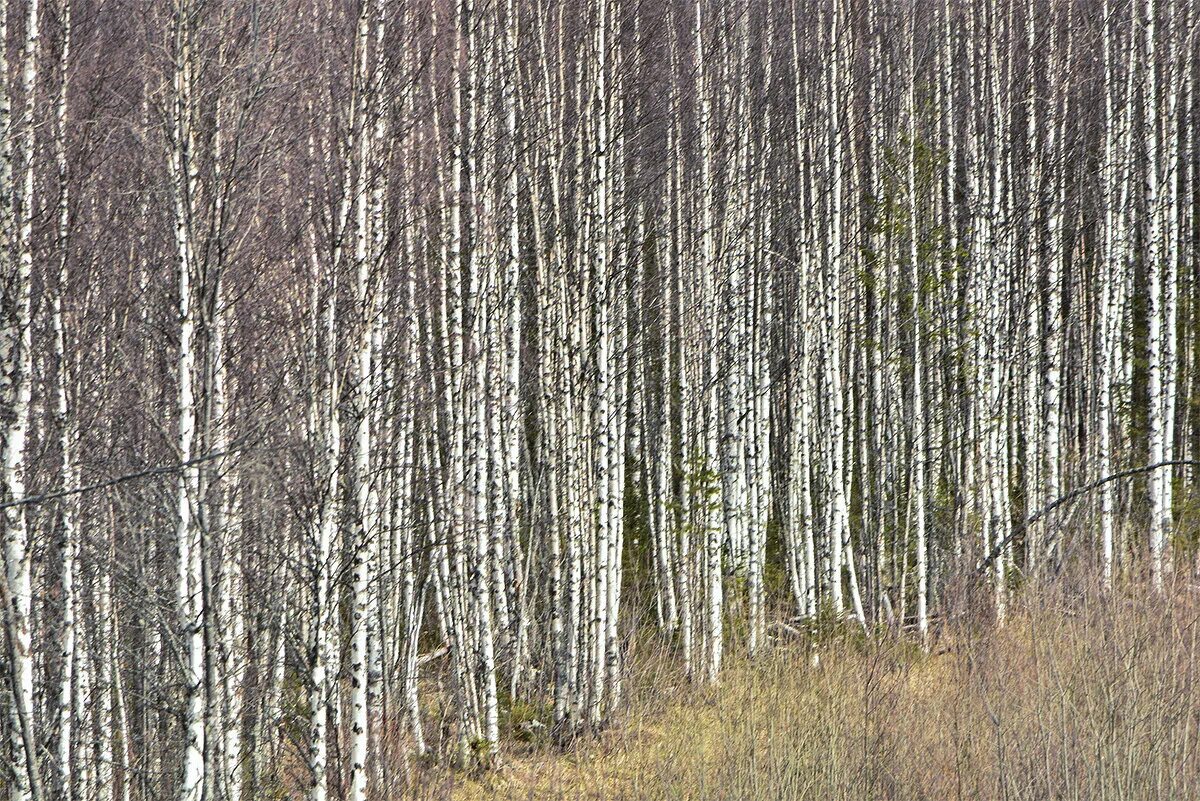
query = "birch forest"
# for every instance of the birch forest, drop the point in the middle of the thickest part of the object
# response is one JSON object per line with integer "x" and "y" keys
{"x": 391, "y": 387}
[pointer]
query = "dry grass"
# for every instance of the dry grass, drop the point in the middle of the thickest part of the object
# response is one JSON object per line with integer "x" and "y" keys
{"x": 1080, "y": 698}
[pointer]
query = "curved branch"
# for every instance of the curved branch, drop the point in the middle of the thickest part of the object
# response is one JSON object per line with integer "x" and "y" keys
{"x": 1070, "y": 496}
{"x": 150, "y": 471}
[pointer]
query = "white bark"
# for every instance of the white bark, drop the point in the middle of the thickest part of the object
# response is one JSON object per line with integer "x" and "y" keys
{"x": 16, "y": 384}
{"x": 67, "y": 433}
{"x": 1160, "y": 513}
{"x": 918, "y": 355}
{"x": 189, "y": 596}
{"x": 359, "y": 160}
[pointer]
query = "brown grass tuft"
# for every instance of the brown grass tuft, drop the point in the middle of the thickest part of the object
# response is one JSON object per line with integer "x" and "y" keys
{"x": 1075, "y": 698}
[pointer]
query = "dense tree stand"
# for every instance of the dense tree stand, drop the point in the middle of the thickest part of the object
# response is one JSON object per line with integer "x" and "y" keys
{"x": 378, "y": 378}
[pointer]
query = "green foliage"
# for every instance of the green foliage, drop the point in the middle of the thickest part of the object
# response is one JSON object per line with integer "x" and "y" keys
{"x": 526, "y": 720}
{"x": 638, "y": 553}
{"x": 296, "y": 706}
{"x": 270, "y": 786}
{"x": 479, "y": 751}
{"x": 775, "y": 574}
{"x": 1186, "y": 509}
{"x": 702, "y": 486}
{"x": 702, "y": 483}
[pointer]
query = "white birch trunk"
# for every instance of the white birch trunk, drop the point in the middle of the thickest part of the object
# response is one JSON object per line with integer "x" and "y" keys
{"x": 189, "y": 592}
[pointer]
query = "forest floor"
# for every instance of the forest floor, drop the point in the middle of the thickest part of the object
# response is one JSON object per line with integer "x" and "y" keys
{"x": 1082, "y": 698}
